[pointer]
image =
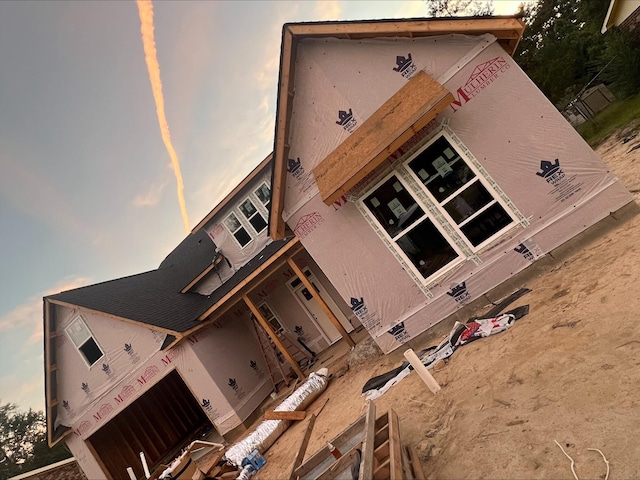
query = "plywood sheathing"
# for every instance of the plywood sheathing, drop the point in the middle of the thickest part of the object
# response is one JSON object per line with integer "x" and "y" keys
{"x": 393, "y": 124}
{"x": 507, "y": 30}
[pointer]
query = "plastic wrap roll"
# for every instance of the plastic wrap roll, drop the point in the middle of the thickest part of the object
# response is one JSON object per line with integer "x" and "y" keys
{"x": 269, "y": 430}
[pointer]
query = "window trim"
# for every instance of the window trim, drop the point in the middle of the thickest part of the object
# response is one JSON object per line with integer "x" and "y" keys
{"x": 80, "y": 318}
{"x": 435, "y": 212}
{"x": 462, "y": 151}
{"x": 255, "y": 190}
{"x": 257, "y": 212}
{"x": 461, "y": 257}
{"x": 242, "y": 225}
{"x": 282, "y": 328}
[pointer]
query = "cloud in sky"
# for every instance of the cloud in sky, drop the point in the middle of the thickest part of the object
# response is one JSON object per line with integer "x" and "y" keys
{"x": 21, "y": 334}
{"x": 151, "y": 196}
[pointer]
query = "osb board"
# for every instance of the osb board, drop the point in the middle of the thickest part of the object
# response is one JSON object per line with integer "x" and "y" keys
{"x": 414, "y": 105}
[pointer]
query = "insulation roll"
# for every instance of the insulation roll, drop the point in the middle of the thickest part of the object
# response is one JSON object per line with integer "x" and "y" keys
{"x": 269, "y": 430}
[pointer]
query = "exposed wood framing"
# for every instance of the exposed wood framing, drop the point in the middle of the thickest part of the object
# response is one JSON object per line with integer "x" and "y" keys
{"x": 274, "y": 336}
{"x": 395, "y": 122}
{"x": 366, "y": 466}
{"x": 325, "y": 308}
{"x": 500, "y": 27}
{"x": 291, "y": 248}
{"x": 231, "y": 195}
{"x": 507, "y": 30}
{"x": 281, "y": 147}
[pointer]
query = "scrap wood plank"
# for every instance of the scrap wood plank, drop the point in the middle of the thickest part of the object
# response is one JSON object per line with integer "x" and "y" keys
{"x": 303, "y": 446}
{"x": 344, "y": 462}
{"x": 282, "y": 415}
{"x": 395, "y": 451}
{"x": 416, "y": 466}
{"x": 351, "y": 436}
{"x": 366, "y": 464}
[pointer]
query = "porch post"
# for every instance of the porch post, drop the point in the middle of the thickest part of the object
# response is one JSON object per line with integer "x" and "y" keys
{"x": 336, "y": 323}
{"x": 269, "y": 329}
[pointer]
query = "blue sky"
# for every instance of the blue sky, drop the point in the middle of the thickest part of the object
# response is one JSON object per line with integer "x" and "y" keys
{"x": 87, "y": 192}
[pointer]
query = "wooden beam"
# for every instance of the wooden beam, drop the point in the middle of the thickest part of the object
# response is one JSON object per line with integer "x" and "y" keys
{"x": 406, "y": 28}
{"x": 395, "y": 452}
{"x": 387, "y": 129}
{"x": 291, "y": 248}
{"x": 366, "y": 463}
{"x": 296, "y": 415}
{"x": 303, "y": 446}
{"x": 281, "y": 147}
{"x": 325, "y": 308}
{"x": 269, "y": 329}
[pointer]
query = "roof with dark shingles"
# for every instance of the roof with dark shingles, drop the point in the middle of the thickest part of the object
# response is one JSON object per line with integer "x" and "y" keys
{"x": 154, "y": 297}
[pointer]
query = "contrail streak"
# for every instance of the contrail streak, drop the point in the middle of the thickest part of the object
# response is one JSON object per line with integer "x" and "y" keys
{"x": 145, "y": 9}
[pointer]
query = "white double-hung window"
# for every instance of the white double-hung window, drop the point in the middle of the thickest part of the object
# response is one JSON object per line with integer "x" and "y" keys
{"x": 437, "y": 209}
{"x": 248, "y": 218}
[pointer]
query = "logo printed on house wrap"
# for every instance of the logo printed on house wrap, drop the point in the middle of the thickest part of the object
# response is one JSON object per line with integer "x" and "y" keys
{"x": 482, "y": 76}
{"x": 405, "y": 66}
{"x": 150, "y": 372}
{"x": 104, "y": 410}
{"x": 399, "y": 332}
{"x": 133, "y": 356}
{"x": 307, "y": 224}
{"x": 239, "y": 392}
{"x": 256, "y": 369}
{"x": 126, "y": 392}
{"x": 346, "y": 120}
{"x": 460, "y": 293}
{"x": 564, "y": 187}
{"x": 86, "y": 389}
{"x": 108, "y": 371}
{"x": 67, "y": 407}
{"x": 370, "y": 320}
{"x": 83, "y": 428}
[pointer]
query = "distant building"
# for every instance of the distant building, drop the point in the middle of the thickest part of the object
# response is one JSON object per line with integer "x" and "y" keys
{"x": 622, "y": 13}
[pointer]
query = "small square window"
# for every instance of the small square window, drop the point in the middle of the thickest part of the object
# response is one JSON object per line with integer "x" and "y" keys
{"x": 264, "y": 195}
{"x": 83, "y": 340}
{"x": 237, "y": 230}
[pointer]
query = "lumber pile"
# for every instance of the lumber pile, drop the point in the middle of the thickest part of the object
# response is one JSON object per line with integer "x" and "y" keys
{"x": 370, "y": 448}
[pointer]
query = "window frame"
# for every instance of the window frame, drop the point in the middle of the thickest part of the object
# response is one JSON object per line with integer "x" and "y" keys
{"x": 479, "y": 177}
{"x": 435, "y": 211}
{"x": 233, "y": 233}
{"x": 80, "y": 318}
{"x": 257, "y": 212}
{"x": 461, "y": 257}
{"x": 255, "y": 194}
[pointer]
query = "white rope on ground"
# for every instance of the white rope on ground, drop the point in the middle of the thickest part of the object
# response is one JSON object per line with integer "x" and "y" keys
{"x": 572, "y": 462}
{"x": 605, "y": 461}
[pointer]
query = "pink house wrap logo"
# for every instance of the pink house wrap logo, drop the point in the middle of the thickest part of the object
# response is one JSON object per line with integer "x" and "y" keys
{"x": 83, "y": 428}
{"x": 105, "y": 409}
{"x": 482, "y": 76}
{"x": 307, "y": 224}
{"x": 126, "y": 392}
{"x": 148, "y": 374}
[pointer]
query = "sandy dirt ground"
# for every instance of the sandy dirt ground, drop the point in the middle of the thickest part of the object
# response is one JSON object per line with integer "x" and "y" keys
{"x": 569, "y": 371}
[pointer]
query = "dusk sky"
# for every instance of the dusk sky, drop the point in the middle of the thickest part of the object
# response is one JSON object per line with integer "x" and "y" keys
{"x": 87, "y": 189}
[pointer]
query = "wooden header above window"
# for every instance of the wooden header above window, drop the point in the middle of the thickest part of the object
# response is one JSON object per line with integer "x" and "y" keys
{"x": 392, "y": 125}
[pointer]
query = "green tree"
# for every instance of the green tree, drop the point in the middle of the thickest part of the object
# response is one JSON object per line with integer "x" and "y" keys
{"x": 23, "y": 442}
{"x": 562, "y": 45}
{"x": 455, "y": 8}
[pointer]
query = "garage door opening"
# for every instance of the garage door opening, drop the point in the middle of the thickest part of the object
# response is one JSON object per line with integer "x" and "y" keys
{"x": 159, "y": 424}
